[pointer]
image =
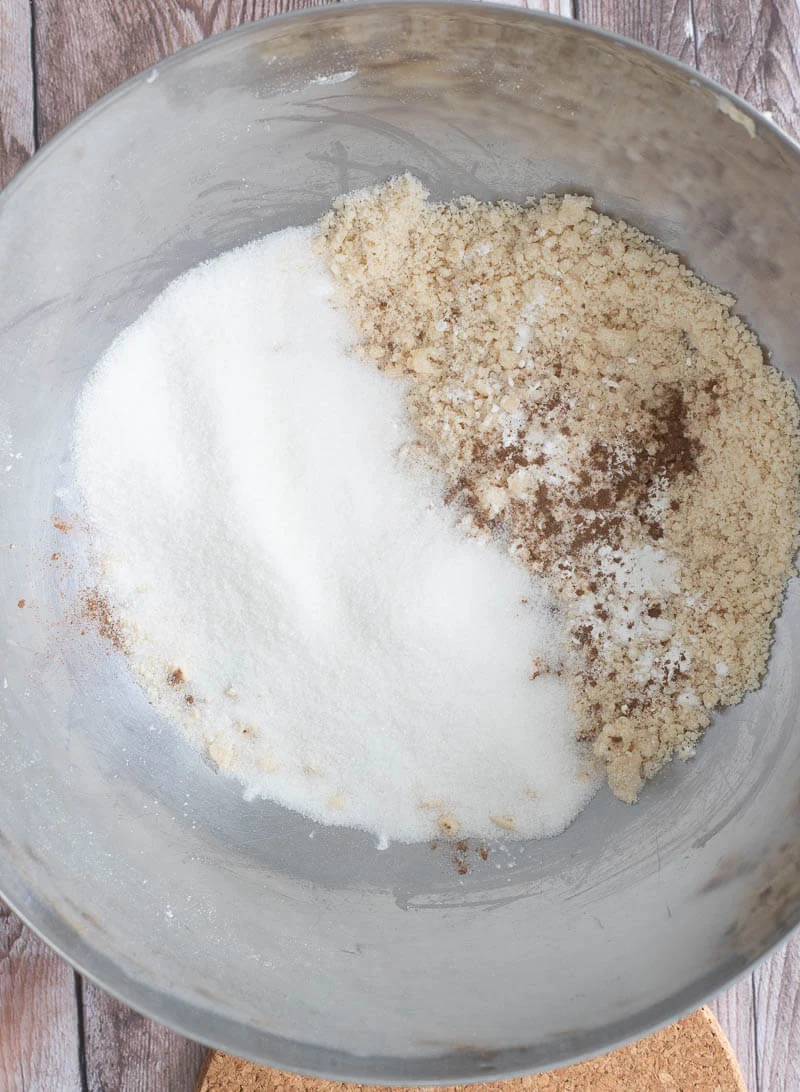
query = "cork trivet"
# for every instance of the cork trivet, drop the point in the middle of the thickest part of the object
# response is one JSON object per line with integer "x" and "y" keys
{"x": 690, "y": 1056}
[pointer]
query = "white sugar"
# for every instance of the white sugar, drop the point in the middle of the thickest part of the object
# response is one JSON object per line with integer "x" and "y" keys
{"x": 296, "y": 596}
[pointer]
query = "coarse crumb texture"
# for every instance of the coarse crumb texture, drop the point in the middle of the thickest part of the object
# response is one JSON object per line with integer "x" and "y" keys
{"x": 600, "y": 410}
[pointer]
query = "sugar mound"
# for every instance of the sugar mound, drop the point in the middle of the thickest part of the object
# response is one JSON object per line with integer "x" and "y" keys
{"x": 296, "y": 595}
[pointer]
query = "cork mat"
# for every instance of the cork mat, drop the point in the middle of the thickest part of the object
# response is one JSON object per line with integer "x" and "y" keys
{"x": 690, "y": 1056}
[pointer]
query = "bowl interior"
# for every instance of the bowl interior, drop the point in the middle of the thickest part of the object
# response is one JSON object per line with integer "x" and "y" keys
{"x": 245, "y": 925}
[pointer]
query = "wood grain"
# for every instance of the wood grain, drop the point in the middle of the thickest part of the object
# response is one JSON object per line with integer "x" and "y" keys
{"x": 667, "y": 25}
{"x": 16, "y": 87}
{"x": 126, "y": 1052}
{"x": 38, "y": 1040}
{"x": 735, "y": 1010}
{"x": 777, "y": 1010}
{"x": 84, "y": 50}
{"x": 754, "y": 49}
{"x": 565, "y": 8}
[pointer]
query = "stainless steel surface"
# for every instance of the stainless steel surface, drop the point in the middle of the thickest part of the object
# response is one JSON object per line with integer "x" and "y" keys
{"x": 242, "y": 924}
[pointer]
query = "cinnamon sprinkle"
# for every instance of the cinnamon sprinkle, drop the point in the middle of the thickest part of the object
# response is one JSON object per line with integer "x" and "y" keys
{"x": 96, "y": 610}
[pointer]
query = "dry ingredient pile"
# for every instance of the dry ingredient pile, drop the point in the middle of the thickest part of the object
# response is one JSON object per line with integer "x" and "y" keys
{"x": 601, "y": 413}
{"x": 288, "y": 583}
{"x": 422, "y": 519}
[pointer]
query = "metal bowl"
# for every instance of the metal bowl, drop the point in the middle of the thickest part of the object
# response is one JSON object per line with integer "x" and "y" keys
{"x": 245, "y": 925}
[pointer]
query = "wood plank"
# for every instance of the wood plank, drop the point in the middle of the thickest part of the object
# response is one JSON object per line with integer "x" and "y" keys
{"x": 16, "y": 87}
{"x": 735, "y": 1010}
{"x": 754, "y": 48}
{"x": 667, "y": 25}
{"x": 85, "y": 49}
{"x": 129, "y": 1053}
{"x": 777, "y": 996}
{"x": 39, "y": 1049}
{"x": 565, "y": 8}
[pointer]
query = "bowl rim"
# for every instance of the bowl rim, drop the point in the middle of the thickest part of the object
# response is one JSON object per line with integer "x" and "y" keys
{"x": 341, "y": 9}
{"x": 200, "y": 1023}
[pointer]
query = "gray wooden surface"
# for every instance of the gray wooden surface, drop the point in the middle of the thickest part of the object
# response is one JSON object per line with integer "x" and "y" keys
{"x": 59, "y": 1033}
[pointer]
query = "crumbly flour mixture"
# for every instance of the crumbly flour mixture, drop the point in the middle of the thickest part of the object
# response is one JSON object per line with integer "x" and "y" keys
{"x": 288, "y": 583}
{"x": 543, "y": 538}
{"x": 598, "y": 410}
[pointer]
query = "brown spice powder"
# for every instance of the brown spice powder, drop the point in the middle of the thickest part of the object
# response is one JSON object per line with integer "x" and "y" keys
{"x": 601, "y": 412}
{"x": 96, "y": 610}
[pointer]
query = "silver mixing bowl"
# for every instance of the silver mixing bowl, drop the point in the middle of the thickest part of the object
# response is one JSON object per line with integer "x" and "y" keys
{"x": 244, "y": 925}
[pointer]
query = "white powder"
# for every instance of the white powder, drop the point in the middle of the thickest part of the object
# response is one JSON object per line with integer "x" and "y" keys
{"x": 348, "y": 652}
{"x": 336, "y": 77}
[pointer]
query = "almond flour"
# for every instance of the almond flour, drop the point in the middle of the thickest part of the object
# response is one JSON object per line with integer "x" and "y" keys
{"x": 602, "y": 412}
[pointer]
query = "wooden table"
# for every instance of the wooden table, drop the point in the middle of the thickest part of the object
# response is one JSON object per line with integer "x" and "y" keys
{"x": 58, "y": 1032}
